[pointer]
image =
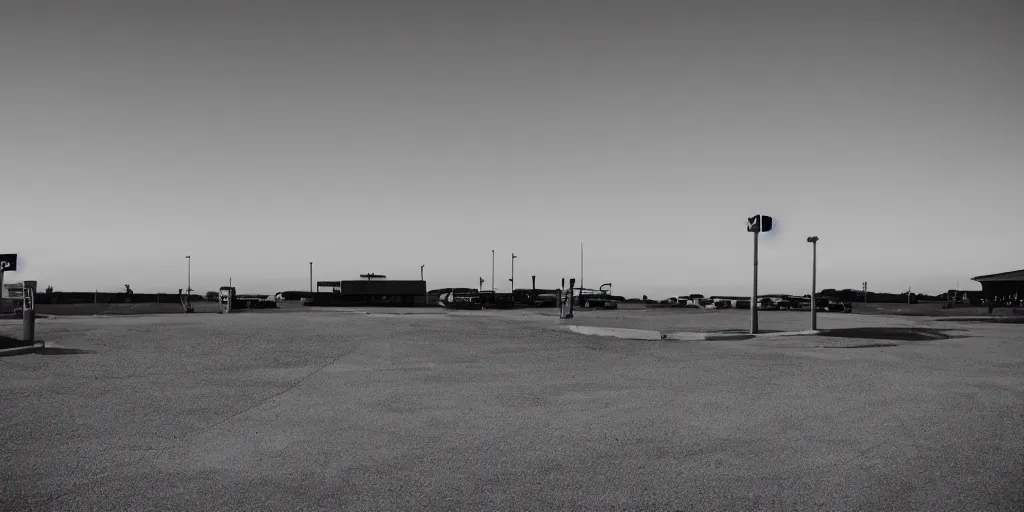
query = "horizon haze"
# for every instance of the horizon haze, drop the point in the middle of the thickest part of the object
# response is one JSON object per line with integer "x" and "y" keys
{"x": 381, "y": 136}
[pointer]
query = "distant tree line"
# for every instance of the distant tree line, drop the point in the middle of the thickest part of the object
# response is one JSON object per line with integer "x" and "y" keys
{"x": 53, "y": 297}
{"x": 849, "y": 295}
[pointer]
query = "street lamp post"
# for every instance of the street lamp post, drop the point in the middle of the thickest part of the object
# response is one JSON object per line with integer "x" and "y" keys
{"x": 513, "y": 280}
{"x": 492, "y": 270}
{"x": 424, "y": 285}
{"x": 813, "y": 240}
{"x": 311, "y": 277}
{"x": 188, "y": 291}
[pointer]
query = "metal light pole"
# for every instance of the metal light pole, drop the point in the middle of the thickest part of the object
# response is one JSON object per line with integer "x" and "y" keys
{"x": 311, "y": 277}
{"x": 492, "y": 270}
{"x": 753, "y": 297}
{"x": 513, "y": 280}
{"x": 424, "y": 285}
{"x": 189, "y": 290}
{"x": 814, "y": 283}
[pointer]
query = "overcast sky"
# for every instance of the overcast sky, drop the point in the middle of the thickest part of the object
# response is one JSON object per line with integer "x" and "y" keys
{"x": 259, "y": 136}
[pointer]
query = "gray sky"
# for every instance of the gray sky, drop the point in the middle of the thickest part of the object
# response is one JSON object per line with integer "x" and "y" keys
{"x": 383, "y": 136}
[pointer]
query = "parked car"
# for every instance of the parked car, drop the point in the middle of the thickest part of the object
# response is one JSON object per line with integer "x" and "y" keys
{"x": 591, "y": 302}
{"x": 546, "y": 300}
{"x": 462, "y": 300}
{"x": 839, "y": 307}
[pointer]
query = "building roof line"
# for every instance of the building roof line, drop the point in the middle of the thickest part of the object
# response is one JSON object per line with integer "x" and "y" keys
{"x": 1015, "y": 275}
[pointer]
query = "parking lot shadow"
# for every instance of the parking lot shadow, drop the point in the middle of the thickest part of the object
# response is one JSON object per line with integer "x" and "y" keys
{"x": 891, "y": 333}
{"x": 62, "y": 351}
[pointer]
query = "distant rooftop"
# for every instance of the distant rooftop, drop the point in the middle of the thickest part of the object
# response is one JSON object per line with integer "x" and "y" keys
{"x": 1016, "y": 275}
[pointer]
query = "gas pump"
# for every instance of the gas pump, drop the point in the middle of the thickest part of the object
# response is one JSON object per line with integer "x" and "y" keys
{"x": 186, "y": 301}
{"x": 565, "y": 301}
{"x": 227, "y": 298}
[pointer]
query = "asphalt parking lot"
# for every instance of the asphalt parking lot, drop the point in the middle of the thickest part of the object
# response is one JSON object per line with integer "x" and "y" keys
{"x": 333, "y": 410}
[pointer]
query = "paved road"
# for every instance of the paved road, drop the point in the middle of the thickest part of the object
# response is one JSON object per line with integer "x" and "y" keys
{"x": 499, "y": 411}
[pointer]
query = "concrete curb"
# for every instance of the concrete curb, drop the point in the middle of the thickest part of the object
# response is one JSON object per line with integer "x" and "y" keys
{"x": 17, "y": 351}
{"x": 647, "y": 335}
{"x": 713, "y": 336}
{"x": 615, "y": 332}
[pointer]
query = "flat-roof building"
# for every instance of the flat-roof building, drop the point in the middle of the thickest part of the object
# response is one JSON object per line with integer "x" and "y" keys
{"x": 1002, "y": 286}
{"x": 373, "y": 291}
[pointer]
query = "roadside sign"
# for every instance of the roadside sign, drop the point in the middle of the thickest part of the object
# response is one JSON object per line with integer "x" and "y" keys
{"x": 759, "y": 224}
{"x": 13, "y": 291}
{"x": 8, "y": 262}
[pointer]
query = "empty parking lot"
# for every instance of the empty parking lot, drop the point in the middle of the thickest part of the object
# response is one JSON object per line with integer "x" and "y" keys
{"x": 331, "y": 410}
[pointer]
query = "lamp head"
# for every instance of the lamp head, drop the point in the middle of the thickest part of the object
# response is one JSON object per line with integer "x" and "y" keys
{"x": 812, "y": 239}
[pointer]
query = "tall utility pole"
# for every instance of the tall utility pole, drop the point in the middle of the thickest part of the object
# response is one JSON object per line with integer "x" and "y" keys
{"x": 424, "y": 285}
{"x": 865, "y": 285}
{"x": 581, "y": 268}
{"x": 814, "y": 283}
{"x": 513, "y": 280}
{"x": 311, "y": 277}
{"x": 492, "y": 270}
{"x": 189, "y": 290}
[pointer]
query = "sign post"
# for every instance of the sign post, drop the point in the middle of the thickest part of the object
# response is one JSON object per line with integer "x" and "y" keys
{"x": 756, "y": 225}
{"x": 753, "y": 299}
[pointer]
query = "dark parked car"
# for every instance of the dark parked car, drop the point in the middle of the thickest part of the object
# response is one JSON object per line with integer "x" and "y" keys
{"x": 840, "y": 307}
{"x": 595, "y": 302}
{"x": 462, "y": 300}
